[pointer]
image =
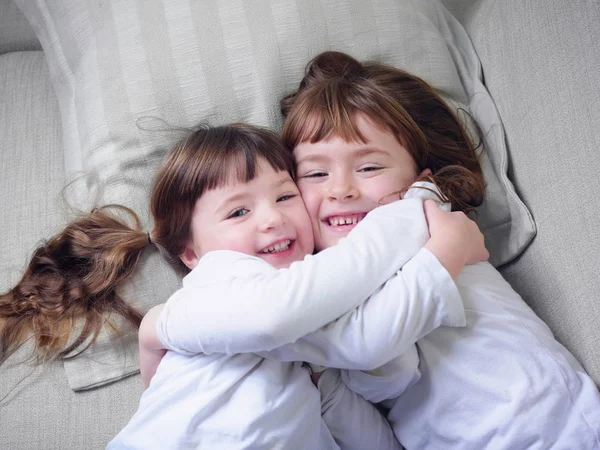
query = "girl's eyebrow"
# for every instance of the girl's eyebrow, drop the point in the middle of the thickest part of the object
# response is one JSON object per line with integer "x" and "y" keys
{"x": 243, "y": 195}
{"x": 366, "y": 151}
{"x": 227, "y": 201}
{"x": 360, "y": 152}
{"x": 312, "y": 158}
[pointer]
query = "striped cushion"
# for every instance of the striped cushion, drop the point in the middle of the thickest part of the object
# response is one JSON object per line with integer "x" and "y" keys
{"x": 121, "y": 68}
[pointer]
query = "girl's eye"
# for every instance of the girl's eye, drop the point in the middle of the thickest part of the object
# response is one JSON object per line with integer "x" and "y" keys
{"x": 283, "y": 198}
{"x": 370, "y": 169}
{"x": 238, "y": 213}
{"x": 315, "y": 175}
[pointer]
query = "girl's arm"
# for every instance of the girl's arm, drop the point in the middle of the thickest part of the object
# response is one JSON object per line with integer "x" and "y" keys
{"x": 386, "y": 382}
{"x": 267, "y": 316}
{"x": 151, "y": 349}
{"x": 420, "y": 298}
{"x": 414, "y": 302}
{"x": 235, "y": 303}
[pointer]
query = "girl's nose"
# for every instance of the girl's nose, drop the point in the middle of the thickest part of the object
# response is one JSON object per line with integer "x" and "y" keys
{"x": 341, "y": 190}
{"x": 272, "y": 218}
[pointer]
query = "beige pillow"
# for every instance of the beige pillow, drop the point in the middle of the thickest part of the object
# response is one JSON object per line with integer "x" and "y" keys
{"x": 114, "y": 64}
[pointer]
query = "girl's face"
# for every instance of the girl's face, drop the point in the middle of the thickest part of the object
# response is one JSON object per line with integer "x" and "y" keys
{"x": 342, "y": 181}
{"x": 265, "y": 217}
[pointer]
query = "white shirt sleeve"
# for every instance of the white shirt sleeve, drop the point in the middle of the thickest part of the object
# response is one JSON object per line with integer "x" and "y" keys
{"x": 235, "y": 303}
{"x": 386, "y": 382}
{"x": 354, "y": 423}
{"x": 414, "y": 302}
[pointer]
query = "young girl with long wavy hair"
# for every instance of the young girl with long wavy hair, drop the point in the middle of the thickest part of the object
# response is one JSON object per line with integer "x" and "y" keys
{"x": 502, "y": 381}
{"x": 225, "y": 204}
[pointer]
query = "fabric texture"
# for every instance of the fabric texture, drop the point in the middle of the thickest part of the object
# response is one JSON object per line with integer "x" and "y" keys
{"x": 119, "y": 68}
{"x": 232, "y": 402}
{"x": 355, "y": 424}
{"x": 502, "y": 381}
{"x": 31, "y": 151}
{"x": 41, "y": 411}
{"x": 16, "y": 34}
{"x": 38, "y": 408}
{"x": 541, "y": 67}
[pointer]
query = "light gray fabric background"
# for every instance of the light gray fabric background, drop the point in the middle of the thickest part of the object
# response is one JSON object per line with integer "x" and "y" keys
{"x": 15, "y": 32}
{"x": 541, "y": 66}
{"x": 114, "y": 64}
{"x": 38, "y": 409}
{"x": 32, "y": 165}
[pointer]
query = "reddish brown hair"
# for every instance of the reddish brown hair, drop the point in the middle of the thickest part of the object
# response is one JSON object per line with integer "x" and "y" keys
{"x": 74, "y": 277}
{"x": 336, "y": 89}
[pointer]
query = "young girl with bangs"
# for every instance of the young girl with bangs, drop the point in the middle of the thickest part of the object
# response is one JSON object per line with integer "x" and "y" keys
{"x": 225, "y": 205}
{"x": 242, "y": 400}
{"x": 360, "y": 131}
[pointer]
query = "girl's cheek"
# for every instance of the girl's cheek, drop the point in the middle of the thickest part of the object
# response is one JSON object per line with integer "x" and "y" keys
{"x": 312, "y": 206}
{"x": 310, "y": 197}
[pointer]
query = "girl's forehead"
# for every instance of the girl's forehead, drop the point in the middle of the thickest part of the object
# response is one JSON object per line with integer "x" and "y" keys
{"x": 373, "y": 138}
{"x": 357, "y": 128}
{"x": 239, "y": 169}
{"x": 264, "y": 171}
{"x": 334, "y": 149}
{"x": 266, "y": 181}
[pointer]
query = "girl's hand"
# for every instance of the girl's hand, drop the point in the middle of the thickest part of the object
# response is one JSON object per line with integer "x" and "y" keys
{"x": 455, "y": 239}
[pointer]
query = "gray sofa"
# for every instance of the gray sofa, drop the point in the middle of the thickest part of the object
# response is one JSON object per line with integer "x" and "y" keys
{"x": 539, "y": 62}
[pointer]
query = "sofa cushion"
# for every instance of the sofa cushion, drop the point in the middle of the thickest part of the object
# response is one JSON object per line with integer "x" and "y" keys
{"x": 41, "y": 411}
{"x": 15, "y": 32}
{"x": 38, "y": 407}
{"x": 118, "y": 65}
{"x": 32, "y": 161}
{"x": 541, "y": 67}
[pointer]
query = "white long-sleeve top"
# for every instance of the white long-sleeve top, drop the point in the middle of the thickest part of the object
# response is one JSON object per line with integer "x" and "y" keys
{"x": 261, "y": 309}
{"x": 216, "y": 400}
{"x": 501, "y": 382}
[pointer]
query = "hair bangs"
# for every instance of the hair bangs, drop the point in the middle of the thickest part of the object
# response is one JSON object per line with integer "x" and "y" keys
{"x": 333, "y": 108}
{"x": 322, "y": 112}
{"x": 231, "y": 155}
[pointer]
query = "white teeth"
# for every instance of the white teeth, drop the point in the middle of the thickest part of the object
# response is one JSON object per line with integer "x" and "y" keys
{"x": 347, "y": 220}
{"x": 279, "y": 247}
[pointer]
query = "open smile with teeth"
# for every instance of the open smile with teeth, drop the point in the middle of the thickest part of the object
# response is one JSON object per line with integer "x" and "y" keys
{"x": 278, "y": 247}
{"x": 337, "y": 221}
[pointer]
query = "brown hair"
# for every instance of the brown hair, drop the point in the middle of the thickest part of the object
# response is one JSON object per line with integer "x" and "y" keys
{"x": 336, "y": 89}
{"x": 74, "y": 277}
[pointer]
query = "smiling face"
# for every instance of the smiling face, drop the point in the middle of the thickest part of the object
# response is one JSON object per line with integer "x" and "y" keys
{"x": 264, "y": 217}
{"x": 341, "y": 181}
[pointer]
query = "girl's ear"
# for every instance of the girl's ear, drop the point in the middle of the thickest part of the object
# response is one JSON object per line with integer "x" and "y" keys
{"x": 425, "y": 173}
{"x": 189, "y": 256}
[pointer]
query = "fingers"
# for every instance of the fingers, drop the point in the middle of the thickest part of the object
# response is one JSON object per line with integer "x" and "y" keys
{"x": 485, "y": 254}
{"x": 431, "y": 208}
